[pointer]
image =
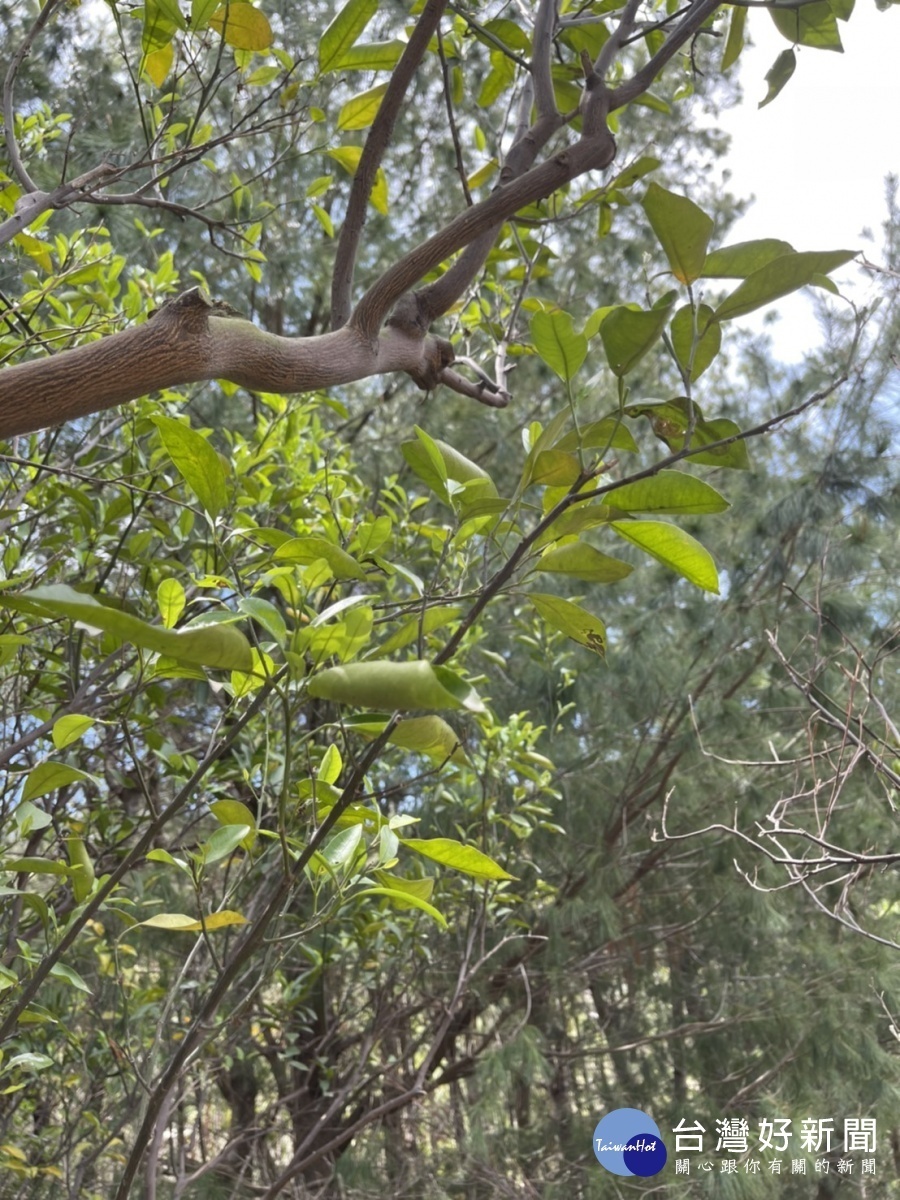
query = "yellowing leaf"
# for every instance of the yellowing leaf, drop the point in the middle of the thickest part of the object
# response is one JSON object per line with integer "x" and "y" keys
{"x": 158, "y": 63}
{"x": 242, "y": 26}
{"x": 453, "y": 854}
{"x": 360, "y": 111}
{"x": 180, "y": 923}
{"x": 171, "y": 600}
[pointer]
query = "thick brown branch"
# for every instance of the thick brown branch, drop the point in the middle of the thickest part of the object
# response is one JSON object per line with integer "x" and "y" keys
{"x": 587, "y": 155}
{"x": 190, "y": 340}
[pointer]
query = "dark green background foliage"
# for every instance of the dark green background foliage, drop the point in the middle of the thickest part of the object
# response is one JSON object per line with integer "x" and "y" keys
{"x": 259, "y": 935}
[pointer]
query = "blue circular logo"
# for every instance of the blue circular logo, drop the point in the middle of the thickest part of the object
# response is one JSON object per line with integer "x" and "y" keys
{"x": 628, "y": 1142}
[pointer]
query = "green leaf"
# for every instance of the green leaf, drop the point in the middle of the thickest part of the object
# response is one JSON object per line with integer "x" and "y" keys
{"x": 404, "y": 899}
{"x": 627, "y": 335}
{"x": 360, "y": 111}
{"x": 572, "y": 620}
{"x": 431, "y": 736}
{"x": 266, "y": 614}
{"x": 309, "y": 549}
{"x": 779, "y": 278}
{"x": 400, "y": 686}
{"x": 331, "y": 765}
{"x": 809, "y": 25}
{"x": 555, "y": 468}
{"x": 682, "y": 228}
{"x": 450, "y": 853}
{"x": 158, "y": 26}
{"x": 691, "y": 357}
{"x": 582, "y": 561}
{"x": 48, "y": 776}
{"x": 171, "y": 600}
{"x": 82, "y": 868}
{"x": 555, "y": 339}
{"x": 30, "y": 818}
{"x": 674, "y": 548}
{"x": 734, "y": 43}
{"x": 668, "y": 492}
{"x": 409, "y": 631}
{"x": 35, "y": 866}
{"x": 344, "y": 31}
{"x": 158, "y": 63}
{"x": 218, "y": 646}
{"x": 201, "y": 11}
{"x": 371, "y": 56}
{"x": 196, "y": 461}
{"x": 30, "y": 1061}
{"x": 743, "y": 258}
{"x": 242, "y": 26}
{"x": 70, "y": 976}
{"x": 179, "y": 923}
{"x": 233, "y": 812}
{"x": 348, "y": 157}
{"x": 70, "y": 729}
{"x": 224, "y": 842}
{"x": 435, "y": 462}
{"x": 340, "y": 850}
{"x": 609, "y": 433}
{"x": 778, "y": 75}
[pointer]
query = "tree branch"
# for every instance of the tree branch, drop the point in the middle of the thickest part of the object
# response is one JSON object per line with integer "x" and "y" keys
{"x": 377, "y": 143}
{"x": 9, "y": 82}
{"x": 694, "y": 20}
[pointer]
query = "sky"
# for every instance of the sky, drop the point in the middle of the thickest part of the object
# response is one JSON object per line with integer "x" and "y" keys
{"x": 816, "y": 157}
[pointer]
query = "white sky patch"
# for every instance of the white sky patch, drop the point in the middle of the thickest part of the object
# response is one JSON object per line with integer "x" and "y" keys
{"x": 816, "y": 157}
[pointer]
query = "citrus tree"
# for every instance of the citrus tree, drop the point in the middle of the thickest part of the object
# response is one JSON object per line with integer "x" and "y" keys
{"x": 268, "y": 839}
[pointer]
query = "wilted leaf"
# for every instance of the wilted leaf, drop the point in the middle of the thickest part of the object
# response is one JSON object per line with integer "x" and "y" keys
{"x": 389, "y": 685}
{"x": 778, "y": 75}
{"x": 220, "y": 646}
{"x": 572, "y": 620}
